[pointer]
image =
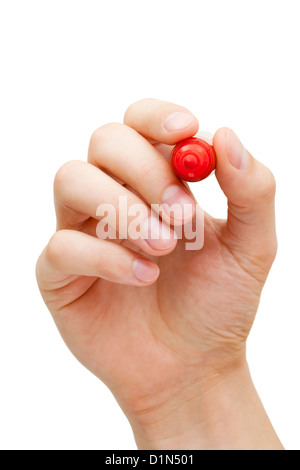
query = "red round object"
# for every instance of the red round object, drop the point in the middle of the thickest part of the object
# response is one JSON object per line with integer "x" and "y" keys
{"x": 193, "y": 159}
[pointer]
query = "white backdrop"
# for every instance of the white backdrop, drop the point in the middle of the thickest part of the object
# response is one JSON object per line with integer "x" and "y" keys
{"x": 69, "y": 66}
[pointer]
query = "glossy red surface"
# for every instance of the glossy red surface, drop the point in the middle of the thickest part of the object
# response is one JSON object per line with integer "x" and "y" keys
{"x": 193, "y": 159}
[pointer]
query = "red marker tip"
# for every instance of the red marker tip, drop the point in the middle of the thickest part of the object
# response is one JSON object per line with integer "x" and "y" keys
{"x": 193, "y": 159}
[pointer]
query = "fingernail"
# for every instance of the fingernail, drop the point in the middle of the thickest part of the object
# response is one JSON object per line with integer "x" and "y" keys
{"x": 237, "y": 154}
{"x": 144, "y": 270}
{"x": 157, "y": 235}
{"x": 177, "y": 121}
{"x": 178, "y": 205}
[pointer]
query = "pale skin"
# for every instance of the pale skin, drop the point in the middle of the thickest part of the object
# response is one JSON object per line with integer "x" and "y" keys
{"x": 167, "y": 335}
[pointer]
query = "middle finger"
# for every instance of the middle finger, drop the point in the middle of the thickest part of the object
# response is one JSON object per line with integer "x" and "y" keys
{"x": 123, "y": 152}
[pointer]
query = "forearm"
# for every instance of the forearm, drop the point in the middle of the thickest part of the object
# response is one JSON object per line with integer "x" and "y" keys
{"x": 228, "y": 416}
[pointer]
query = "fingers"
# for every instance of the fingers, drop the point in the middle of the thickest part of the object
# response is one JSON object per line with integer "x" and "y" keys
{"x": 250, "y": 189}
{"x": 124, "y": 153}
{"x": 81, "y": 188}
{"x": 161, "y": 121}
{"x": 75, "y": 253}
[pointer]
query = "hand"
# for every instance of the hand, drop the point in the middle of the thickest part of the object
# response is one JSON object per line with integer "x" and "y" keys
{"x": 170, "y": 346}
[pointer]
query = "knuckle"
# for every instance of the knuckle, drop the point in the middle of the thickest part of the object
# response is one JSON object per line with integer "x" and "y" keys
{"x": 103, "y": 133}
{"x": 56, "y": 247}
{"x": 128, "y": 115}
{"x": 65, "y": 174}
{"x": 132, "y": 108}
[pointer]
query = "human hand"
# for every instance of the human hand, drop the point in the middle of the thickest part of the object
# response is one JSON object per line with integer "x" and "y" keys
{"x": 170, "y": 346}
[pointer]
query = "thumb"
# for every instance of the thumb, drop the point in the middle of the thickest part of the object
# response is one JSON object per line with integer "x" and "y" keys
{"x": 250, "y": 189}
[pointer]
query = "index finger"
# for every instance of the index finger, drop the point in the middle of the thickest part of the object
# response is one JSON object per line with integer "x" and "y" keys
{"x": 161, "y": 121}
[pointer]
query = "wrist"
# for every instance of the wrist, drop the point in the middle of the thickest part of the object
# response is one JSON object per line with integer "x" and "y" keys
{"x": 219, "y": 412}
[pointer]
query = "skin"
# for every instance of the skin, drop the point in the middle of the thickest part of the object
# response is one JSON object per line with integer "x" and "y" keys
{"x": 172, "y": 350}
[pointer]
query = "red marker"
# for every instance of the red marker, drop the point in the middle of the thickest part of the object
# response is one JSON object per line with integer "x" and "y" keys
{"x": 193, "y": 159}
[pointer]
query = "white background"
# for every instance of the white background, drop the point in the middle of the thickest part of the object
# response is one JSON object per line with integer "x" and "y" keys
{"x": 70, "y": 66}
